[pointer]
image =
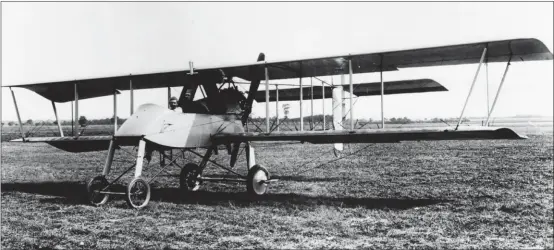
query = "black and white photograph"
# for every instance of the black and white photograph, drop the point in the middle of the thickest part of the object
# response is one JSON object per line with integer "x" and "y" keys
{"x": 277, "y": 125}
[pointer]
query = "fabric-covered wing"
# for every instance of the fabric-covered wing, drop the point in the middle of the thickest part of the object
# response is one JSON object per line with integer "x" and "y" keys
{"x": 81, "y": 143}
{"x": 360, "y": 89}
{"x": 498, "y": 51}
{"x": 374, "y": 135}
{"x": 90, "y": 88}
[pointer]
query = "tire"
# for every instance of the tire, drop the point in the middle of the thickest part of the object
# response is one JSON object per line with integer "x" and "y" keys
{"x": 94, "y": 185}
{"x": 188, "y": 179}
{"x": 256, "y": 174}
{"x": 137, "y": 194}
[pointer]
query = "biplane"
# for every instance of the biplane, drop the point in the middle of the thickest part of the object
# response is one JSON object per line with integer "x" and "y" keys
{"x": 221, "y": 118}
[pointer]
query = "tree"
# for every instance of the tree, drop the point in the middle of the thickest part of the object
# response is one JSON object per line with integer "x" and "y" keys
{"x": 83, "y": 121}
{"x": 119, "y": 120}
{"x": 11, "y": 123}
{"x": 29, "y": 122}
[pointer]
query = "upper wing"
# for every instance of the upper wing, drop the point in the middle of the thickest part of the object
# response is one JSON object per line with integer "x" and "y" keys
{"x": 360, "y": 89}
{"x": 498, "y": 51}
{"x": 88, "y": 88}
{"x": 374, "y": 135}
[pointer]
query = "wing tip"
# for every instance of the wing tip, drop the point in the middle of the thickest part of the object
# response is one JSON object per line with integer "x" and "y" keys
{"x": 507, "y": 133}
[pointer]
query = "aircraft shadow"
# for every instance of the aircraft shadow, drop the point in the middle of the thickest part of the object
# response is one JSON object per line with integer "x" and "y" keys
{"x": 299, "y": 178}
{"x": 74, "y": 193}
{"x": 68, "y": 192}
{"x": 288, "y": 199}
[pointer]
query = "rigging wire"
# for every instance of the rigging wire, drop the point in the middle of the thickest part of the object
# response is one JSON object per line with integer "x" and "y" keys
{"x": 330, "y": 161}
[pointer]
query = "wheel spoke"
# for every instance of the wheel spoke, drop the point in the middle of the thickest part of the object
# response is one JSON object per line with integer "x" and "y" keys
{"x": 138, "y": 193}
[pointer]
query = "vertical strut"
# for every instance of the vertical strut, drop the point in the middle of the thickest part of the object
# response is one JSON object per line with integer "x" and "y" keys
{"x": 168, "y": 96}
{"x": 267, "y": 128}
{"x": 472, "y": 85}
{"x": 277, "y": 105}
{"x": 487, "y": 76}
{"x": 132, "y": 96}
{"x": 498, "y": 91}
{"x": 114, "y": 111}
{"x": 109, "y": 159}
{"x": 337, "y": 107}
{"x": 336, "y": 111}
{"x": 323, "y": 102}
{"x": 18, "y": 117}
{"x": 140, "y": 156}
{"x": 382, "y": 96}
{"x": 351, "y": 94}
{"x": 342, "y": 105}
{"x": 76, "y": 131}
{"x": 250, "y": 156}
{"x": 72, "y": 126}
{"x": 301, "y": 98}
{"x": 57, "y": 120}
{"x": 312, "y": 103}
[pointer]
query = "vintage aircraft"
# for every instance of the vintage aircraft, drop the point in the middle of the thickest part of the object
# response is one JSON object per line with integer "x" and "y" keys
{"x": 221, "y": 117}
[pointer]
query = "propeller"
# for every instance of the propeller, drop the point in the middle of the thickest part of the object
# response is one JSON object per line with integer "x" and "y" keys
{"x": 247, "y": 105}
{"x": 254, "y": 84}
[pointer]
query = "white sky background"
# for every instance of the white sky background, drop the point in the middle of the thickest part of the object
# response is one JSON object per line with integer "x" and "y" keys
{"x": 62, "y": 41}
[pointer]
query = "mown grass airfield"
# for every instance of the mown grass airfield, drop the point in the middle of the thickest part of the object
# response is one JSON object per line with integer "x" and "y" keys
{"x": 203, "y": 172}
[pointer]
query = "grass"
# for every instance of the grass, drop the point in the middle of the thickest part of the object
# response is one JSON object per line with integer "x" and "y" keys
{"x": 455, "y": 194}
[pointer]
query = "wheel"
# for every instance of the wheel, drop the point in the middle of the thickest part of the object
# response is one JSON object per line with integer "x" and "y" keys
{"x": 254, "y": 181}
{"x": 94, "y": 186}
{"x": 137, "y": 194}
{"x": 188, "y": 179}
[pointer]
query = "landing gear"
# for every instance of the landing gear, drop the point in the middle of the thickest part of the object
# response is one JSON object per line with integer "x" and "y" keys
{"x": 189, "y": 179}
{"x": 257, "y": 180}
{"x": 137, "y": 193}
{"x": 95, "y": 186}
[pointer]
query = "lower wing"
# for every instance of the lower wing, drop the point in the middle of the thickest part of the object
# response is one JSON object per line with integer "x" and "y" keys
{"x": 81, "y": 143}
{"x": 374, "y": 135}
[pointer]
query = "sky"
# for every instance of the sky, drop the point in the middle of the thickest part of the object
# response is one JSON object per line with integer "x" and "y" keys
{"x": 44, "y": 42}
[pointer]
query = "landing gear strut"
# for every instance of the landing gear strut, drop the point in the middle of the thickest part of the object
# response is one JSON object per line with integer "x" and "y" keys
{"x": 138, "y": 190}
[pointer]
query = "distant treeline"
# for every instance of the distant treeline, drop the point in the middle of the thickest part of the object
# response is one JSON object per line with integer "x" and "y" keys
{"x": 83, "y": 121}
{"x": 393, "y": 120}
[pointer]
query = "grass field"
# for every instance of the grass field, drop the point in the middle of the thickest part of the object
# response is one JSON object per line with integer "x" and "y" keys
{"x": 457, "y": 194}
